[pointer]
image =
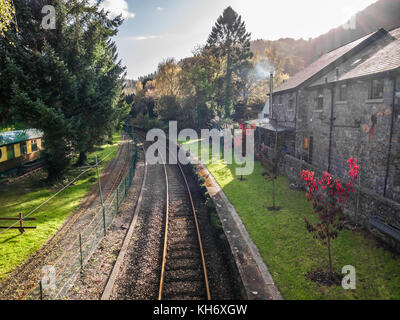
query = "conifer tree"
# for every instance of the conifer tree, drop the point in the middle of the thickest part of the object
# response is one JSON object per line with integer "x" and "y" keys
{"x": 230, "y": 40}
{"x": 65, "y": 82}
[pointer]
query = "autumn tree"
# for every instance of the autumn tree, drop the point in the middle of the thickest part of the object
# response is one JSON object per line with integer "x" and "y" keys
{"x": 328, "y": 197}
{"x": 167, "y": 78}
{"x": 7, "y": 12}
{"x": 273, "y": 61}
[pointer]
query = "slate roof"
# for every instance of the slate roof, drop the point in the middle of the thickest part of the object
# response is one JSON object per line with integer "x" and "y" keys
{"x": 11, "y": 137}
{"x": 385, "y": 59}
{"x": 270, "y": 126}
{"x": 323, "y": 62}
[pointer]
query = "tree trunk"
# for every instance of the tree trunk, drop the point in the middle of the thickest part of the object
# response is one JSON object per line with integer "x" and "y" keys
{"x": 329, "y": 253}
{"x": 273, "y": 193}
{"x": 53, "y": 175}
{"x": 82, "y": 159}
{"x": 228, "y": 84}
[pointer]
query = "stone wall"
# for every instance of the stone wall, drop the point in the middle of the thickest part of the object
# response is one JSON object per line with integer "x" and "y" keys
{"x": 349, "y": 126}
{"x": 393, "y": 183}
{"x": 282, "y": 112}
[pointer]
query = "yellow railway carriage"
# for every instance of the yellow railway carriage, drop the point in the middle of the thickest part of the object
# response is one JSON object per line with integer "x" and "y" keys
{"x": 19, "y": 147}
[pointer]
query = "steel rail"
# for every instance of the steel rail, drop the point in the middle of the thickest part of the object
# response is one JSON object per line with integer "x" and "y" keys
{"x": 197, "y": 231}
{"x": 164, "y": 259}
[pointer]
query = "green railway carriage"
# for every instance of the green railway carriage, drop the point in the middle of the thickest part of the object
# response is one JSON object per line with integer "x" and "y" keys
{"x": 19, "y": 147}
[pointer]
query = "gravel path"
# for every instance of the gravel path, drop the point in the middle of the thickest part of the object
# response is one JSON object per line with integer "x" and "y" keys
{"x": 139, "y": 275}
{"x": 90, "y": 284}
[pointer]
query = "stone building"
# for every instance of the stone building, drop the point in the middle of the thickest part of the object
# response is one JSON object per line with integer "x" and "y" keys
{"x": 346, "y": 104}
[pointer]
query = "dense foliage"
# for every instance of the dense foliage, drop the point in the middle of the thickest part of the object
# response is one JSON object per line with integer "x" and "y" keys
{"x": 65, "y": 81}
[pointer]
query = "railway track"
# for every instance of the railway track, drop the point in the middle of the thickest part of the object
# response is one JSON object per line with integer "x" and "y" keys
{"x": 183, "y": 272}
{"x": 26, "y": 172}
{"x": 183, "y": 268}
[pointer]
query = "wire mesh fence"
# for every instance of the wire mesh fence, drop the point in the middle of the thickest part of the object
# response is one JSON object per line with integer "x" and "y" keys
{"x": 58, "y": 278}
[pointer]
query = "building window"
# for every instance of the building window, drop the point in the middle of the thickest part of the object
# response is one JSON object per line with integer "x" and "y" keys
{"x": 305, "y": 143}
{"x": 267, "y": 140}
{"x": 23, "y": 148}
{"x": 280, "y": 99}
{"x": 10, "y": 152}
{"x": 343, "y": 93}
{"x": 291, "y": 103}
{"x": 320, "y": 99}
{"x": 376, "y": 89}
{"x": 34, "y": 145}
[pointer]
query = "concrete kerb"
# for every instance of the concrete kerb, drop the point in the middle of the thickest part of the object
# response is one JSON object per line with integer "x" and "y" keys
{"x": 256, "y": 279}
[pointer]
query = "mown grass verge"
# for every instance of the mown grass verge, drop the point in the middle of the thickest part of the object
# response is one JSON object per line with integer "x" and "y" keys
{"x": 289, "y": 250}
{"x": 26, "y": 195}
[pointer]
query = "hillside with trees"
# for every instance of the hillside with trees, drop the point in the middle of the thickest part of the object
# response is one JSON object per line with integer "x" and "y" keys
{"x": 298, "y": 53}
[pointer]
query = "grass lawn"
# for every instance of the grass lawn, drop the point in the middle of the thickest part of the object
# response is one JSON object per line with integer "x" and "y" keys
{"x": 26, "y": 195}
{"x": 289, "y": 250}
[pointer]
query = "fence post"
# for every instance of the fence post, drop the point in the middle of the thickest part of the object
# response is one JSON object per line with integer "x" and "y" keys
{"x": 41, "y": 290}
{"x": 21, "y": 223}
{"x": 126, "y": 189}
{"x": 123, "y": 191}
{"x": 80, "y": 248}
{"x": 101, "y": 197}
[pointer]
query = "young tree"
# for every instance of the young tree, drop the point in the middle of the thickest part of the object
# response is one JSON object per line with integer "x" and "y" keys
{"x": 328, "y": 197}
{"x": 270, "y": 161}
{"x": 230, "y": 41}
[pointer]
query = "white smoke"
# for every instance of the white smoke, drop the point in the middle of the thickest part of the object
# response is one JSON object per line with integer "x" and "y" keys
{"x": 263, "y": 69}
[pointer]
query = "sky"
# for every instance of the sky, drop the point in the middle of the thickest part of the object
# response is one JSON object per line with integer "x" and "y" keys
{"x": 154, "y": 30}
